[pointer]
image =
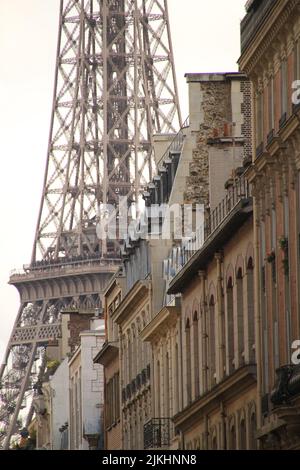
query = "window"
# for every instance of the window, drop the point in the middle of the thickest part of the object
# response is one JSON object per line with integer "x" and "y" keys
{"x": 259, "y": 118}
{"x": 284, "y": 89}
{"x": 250, "y": 302}
{"x": 167, "y": 413}
{"x": 232, "y": 438}
{"x": 230, "y": 328}
{"x": 188, "y": 362}
{"x": 112, "y": 398}
{"x": 297, "y": 61}
{"x": 196, "y": 355}
{"x": 212, "y": 342}
{"x": 158, "y": 390}
{"x": 130, "y": 361}
{"x": 263, "y": 302}
{"x": 176, "y": 398}
{"x": 243, "y": 436}
{"x": 240, "y": 315}
{"x": 214, "y": 445}
{"x": 253, "y": 441}
{"x": 271, "y": 103}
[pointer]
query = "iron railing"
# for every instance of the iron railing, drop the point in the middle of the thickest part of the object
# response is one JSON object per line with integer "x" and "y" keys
{"x": 240, "y": 191}
{"x": 157, "y": 433}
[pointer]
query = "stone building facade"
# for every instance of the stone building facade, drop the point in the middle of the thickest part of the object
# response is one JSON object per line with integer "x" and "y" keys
{"x": 271, "y": 58}
{"x": 218, "y": 376}
{"x": 141, "y": 297}
{"x": 145, "y": 333}
{"x": 86, "y": 391}
{"x": 202, "y": 340}
{"x": 163, "y": 334}
{"x": 109, "y": 357}
{"x": 220, "y": 122}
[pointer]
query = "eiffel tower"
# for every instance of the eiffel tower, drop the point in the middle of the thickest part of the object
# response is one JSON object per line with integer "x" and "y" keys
{"x": 115, "y": 88}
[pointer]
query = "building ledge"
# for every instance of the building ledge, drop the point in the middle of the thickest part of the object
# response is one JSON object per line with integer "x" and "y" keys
{"x": 107, "y": 354}
{"x": 226, "y": 141}
{"x": 231, "y": 387}
{"x": 214, "y": 77}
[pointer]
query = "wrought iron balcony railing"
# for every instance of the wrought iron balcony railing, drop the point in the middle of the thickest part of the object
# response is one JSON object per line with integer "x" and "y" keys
{"x": 158, "y": 433}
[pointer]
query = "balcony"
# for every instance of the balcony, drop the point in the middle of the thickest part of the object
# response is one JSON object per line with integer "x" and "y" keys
{"x": 157, "y": 433}
{"x": 287, "y": 385}
{"x": 238, "y": 192}
{"x": 217, "y": 229}
{"x": 68, "y": 267}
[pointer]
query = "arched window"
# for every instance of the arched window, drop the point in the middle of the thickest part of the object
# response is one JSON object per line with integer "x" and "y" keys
{"x": 130, "y": 362}
{"x": 158, "y": 394}
{"x": 232, "y": 437}
{"x": 253, "y": 429}
{"x": 250, "y": 301}
{"x": 167, "y": 413}
{"x": 139, "y": 346}
{"x": 196, "y": 355}
{"x": 243, "y": 435}
{"x": 145, "y": 344}
{"x": 133, "y": 357}
{"x": 212, "y": 341}
{"x": 230, "y": 327}
{"x": 188, "y": 362}
{"x": 240, "y": 314}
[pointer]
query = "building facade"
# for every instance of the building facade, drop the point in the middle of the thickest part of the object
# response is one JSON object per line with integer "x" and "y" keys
{"x": 109, "y": 357}
{"x": 86, "y": 391}
{"x": 202, "y": 340}
{"x": 270, "y": 34}
{"x": 218, "y": 373}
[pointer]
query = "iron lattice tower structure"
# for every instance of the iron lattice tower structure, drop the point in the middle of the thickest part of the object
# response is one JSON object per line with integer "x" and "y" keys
{"x": 115, "y": 88}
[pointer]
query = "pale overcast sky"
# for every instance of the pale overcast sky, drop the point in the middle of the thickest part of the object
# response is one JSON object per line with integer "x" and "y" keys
{"x": 205, "y": 39}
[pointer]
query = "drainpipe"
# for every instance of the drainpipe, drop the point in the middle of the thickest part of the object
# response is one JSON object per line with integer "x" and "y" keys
{"x": 258, "y": 338}
{"x": 219, "y": 259}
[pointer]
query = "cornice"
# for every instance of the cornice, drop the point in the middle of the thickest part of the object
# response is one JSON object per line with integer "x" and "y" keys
{"x": 267, "y": 34}
{"x": 131, "y": 301}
